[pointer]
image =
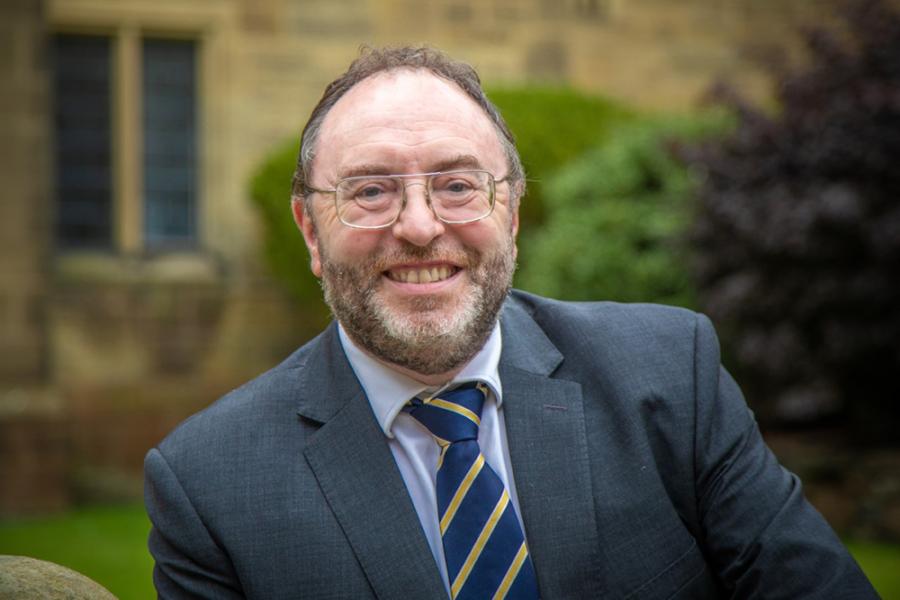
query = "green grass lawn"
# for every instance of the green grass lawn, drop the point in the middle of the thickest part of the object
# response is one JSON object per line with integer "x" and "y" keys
{"x": 109, "y": 546}
{"x": 881, "y": 562}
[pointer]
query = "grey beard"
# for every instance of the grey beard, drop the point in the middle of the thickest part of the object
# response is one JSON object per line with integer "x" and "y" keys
{"x": 409, "y": 336}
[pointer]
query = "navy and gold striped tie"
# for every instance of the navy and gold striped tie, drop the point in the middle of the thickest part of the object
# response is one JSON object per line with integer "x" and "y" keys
{"x": 484, "y": 545}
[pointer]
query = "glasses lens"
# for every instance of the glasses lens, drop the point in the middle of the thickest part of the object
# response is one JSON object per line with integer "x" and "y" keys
{"x": 368, "y": 201}
{"x": 462, "y": 196}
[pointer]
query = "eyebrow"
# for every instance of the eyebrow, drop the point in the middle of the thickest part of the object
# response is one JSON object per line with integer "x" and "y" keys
{"x": 462, "y": 161}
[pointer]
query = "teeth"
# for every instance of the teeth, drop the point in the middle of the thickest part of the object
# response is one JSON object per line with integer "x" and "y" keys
{"x": 421, "y": 275}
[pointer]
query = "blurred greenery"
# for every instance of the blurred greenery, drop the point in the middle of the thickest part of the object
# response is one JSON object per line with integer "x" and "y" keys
{"x": 109, "y": 545}
{"x": 616, "y": 217}
{"x": 283, "y": 246}
{"x": 553, "y": 126}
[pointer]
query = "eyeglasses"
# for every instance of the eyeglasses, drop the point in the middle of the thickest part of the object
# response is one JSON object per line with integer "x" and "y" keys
{"x": 376, "y": 201}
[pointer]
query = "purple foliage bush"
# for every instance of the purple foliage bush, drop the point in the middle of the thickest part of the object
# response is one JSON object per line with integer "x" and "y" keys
{"x": 797, "y": 234}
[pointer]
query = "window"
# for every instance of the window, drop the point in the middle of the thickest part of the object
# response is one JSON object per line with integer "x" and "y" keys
{"x": 83, "y": 141}
{"x": 169, "y": 142}
{"x": 126, "y": 142}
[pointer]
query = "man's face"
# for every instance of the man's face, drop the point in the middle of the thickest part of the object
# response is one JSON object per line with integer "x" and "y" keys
{"x": 420, "y": 294}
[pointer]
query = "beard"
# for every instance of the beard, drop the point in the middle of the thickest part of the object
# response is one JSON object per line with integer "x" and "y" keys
{"x": 430, "y": 335}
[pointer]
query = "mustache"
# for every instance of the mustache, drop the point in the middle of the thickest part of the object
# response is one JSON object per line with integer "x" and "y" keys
{"x": 432, "y": 252}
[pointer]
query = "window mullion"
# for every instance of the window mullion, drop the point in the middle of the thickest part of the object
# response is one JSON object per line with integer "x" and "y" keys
{"x": 128, "y": 147}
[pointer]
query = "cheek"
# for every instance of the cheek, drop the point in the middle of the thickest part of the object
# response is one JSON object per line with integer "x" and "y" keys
{"x": 487, "y": 236}
{"x": 351, "y": 246}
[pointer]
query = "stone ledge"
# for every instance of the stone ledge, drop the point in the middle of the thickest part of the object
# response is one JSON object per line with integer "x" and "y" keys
{"x": 101, "y": 267}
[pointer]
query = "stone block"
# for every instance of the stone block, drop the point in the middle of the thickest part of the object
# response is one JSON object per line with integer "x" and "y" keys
{"x": 26, "y": 578}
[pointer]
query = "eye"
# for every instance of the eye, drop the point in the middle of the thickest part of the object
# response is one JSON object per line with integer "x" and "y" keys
{"x": 458, "y": 186}
{"x": 369, "y": 192}
{"x": 454, "y": 184}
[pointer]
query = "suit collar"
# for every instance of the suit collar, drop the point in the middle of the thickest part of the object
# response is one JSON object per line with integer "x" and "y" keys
{"x": 525, "y": 345}
{"x": 325, "y": 380}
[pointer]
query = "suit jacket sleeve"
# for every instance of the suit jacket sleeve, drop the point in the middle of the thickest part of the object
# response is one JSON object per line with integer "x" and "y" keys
{"x": 762, "y": 537}
{"x": 189, "y": 562}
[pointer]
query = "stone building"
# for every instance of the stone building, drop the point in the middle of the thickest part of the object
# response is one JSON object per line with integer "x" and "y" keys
{"x": 131, "y": 287}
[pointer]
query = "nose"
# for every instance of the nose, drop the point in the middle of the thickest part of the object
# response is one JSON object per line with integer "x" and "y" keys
{"x": 417, "y": 223}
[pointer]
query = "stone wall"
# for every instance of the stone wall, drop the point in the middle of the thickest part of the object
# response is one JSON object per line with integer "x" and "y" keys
{"x": 101, "y": 353}
{"x": 24, "y": 193}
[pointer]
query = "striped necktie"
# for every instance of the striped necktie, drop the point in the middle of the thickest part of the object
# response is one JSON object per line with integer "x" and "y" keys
{"x": 483, "y": 542}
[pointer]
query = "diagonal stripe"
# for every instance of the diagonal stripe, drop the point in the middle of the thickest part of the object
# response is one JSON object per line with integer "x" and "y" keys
{"x": 458, "y": 409}
{"x": 441, "y": 441}
{"x": 514, "y": 569}
{"x": 441, "y": 456}
{"x": 475, "y": 552}
{"x": 474, "y": 470}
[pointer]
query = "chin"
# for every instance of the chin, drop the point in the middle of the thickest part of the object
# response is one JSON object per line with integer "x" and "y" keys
{"x": 426, "y": 324}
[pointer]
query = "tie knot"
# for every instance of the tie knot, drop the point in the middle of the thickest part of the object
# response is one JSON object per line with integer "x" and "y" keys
{"x": 451, "y": 416}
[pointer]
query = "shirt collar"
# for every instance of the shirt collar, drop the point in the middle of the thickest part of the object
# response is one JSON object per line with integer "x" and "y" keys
{"x": 389, "y": 390}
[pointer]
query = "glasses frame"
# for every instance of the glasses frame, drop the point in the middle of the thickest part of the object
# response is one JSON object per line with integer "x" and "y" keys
{"x": 492, "y": 197}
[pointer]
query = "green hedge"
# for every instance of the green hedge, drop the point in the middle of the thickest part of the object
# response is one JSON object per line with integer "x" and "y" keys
{"x": 553, "y": 126}
{"x": 283, "y": 244}
{"x": 616, "y": 218}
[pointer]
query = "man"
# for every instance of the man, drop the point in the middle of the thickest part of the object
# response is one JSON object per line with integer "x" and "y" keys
{"x": 599, "y": 450}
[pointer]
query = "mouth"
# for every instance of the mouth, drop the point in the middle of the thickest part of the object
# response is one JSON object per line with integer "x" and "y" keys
{"x": 422, "y": 274}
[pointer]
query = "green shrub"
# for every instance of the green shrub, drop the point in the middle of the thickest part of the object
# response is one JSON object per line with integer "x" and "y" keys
{"x": 616, "y": 218}
{"x": 552, "y": 127}
{"x": 283, "y": 245}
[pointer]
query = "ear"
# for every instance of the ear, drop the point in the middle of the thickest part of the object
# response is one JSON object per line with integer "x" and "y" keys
{"x": 306, "y": 226}
{"x": 514, "y": 229}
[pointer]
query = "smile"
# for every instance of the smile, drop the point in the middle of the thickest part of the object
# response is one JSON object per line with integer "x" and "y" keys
{"x": 422, "y": 274}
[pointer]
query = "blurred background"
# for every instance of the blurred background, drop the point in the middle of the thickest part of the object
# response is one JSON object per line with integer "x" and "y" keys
{"x": 737, "y": 157}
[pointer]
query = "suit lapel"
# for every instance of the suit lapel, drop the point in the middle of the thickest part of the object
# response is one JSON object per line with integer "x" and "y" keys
{"x": 358, "y": 476}
{"x": 548, "y": 448}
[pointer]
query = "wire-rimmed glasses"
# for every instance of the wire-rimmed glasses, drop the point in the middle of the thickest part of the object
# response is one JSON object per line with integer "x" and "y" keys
{"x": 376, "y": 201}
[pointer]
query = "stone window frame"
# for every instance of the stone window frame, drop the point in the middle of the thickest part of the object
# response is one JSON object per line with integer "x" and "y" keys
{"x": 127, "y": 24}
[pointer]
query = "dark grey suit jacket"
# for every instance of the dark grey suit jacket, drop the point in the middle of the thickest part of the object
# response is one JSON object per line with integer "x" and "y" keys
{"x": 639, "y": 469}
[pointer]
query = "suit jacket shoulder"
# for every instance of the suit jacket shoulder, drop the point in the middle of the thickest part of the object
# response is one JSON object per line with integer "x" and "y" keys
{"x": 688, "y": 500}
{"x": 609, "y": 325}
{"x": 285, "y": 486}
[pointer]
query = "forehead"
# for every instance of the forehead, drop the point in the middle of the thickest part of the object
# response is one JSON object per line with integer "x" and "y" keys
{"x": 406, "y": 120}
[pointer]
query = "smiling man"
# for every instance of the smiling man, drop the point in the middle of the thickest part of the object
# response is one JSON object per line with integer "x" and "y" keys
{"x": 449, "y": 437}
{"x": 415, "y": 267}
